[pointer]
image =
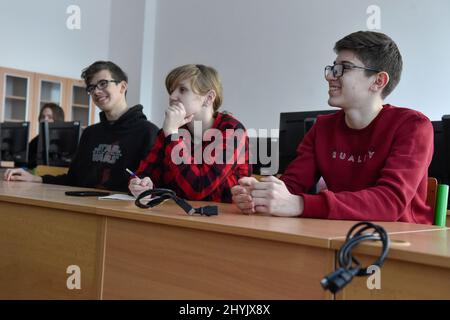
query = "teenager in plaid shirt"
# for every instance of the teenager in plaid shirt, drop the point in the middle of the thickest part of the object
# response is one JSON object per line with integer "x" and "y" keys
{"x": 195, "y": 171}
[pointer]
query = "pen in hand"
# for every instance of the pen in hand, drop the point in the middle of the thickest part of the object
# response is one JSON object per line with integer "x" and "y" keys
{"x": 132, "y": 173}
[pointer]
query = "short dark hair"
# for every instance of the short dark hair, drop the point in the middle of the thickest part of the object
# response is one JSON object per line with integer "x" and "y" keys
{"x": 376, "y": 50}
{"x": 116, "y": 72}
{"x": 57, "y": 111}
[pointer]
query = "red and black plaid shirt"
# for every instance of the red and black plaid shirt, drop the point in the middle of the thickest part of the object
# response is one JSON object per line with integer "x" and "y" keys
{"x": 206, "y": 178}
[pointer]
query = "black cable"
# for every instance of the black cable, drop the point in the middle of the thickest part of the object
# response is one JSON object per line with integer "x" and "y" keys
{"x": 160, "y": 194}
{"x": 349, "y": 266}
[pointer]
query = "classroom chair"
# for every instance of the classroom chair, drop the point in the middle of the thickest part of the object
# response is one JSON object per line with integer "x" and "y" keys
{"x": 43, "y": 170}
{"x": 437, "y": 198}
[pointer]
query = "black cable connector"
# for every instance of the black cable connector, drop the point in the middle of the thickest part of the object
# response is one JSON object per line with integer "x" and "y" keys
{"x": 337, "y": 280}
{"x": 349, "y": 265}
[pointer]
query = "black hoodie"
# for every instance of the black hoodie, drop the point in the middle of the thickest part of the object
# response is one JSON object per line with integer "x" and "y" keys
{"x": 106, "y": 149}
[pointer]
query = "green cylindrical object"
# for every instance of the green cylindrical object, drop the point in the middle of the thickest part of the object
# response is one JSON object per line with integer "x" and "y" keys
{"x": 441, "y": 205}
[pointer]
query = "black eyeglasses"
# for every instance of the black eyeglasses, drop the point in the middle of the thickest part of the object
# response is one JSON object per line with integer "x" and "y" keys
{"x": 160, "y": 195}
{"x": 337, "y": 70}
{"x": 101, "y": 85}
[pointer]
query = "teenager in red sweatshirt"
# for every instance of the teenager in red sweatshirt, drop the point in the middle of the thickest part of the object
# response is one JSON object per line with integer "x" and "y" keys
{"x": 372, "y": 156}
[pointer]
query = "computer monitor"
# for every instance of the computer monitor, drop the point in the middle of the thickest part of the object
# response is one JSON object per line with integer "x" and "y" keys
{"x": 14, "y": 143}
{"x": 264, "y": 155}
{"x": 438, "y": 167}
{"x": 58, "y": 142}
{"x": 293, "y": 127}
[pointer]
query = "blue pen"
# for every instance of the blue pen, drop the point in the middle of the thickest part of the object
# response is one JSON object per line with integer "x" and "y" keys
{"x": 131, "y": 173}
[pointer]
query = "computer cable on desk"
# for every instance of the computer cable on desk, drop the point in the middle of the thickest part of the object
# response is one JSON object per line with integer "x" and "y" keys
{"x": 159, "y": 195}
{"x": 349, "y": 266}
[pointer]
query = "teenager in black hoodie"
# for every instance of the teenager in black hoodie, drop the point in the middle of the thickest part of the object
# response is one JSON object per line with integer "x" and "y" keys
{"x": 123, "y": 137}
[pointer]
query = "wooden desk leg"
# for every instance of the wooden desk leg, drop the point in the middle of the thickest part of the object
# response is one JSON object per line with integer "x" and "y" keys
{"x": 38, "y": 244}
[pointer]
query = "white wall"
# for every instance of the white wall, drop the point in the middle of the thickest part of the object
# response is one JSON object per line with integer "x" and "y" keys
{"x": 34, "y": 36}
{"x": 148, "y": 50}
{"x": 126, "y": 42}
{"x": 271, "y": 54}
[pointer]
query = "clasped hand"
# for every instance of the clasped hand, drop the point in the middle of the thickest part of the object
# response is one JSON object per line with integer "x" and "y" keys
{"x": 269, "y": 195}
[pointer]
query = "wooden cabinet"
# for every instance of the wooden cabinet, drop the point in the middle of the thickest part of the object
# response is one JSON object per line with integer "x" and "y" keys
{"x": 48, "y": 89}
{"x": 22, "y": 95}
{"x": 16, "y": 92}
{"x": 79, "y": 106}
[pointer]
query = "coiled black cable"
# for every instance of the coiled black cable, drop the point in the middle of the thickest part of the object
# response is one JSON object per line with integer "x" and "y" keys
{"x": 159, "y": 195}
{"x": 349, "y": 266}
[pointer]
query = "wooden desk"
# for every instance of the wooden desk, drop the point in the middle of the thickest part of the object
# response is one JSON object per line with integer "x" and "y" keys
{"x": 417, "y": 267}
{"x": 448, "y": 219}
{"x": 160, "y": 253}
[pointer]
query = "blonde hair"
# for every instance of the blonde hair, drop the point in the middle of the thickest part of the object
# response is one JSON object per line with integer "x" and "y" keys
{"x": 203, "y": 79}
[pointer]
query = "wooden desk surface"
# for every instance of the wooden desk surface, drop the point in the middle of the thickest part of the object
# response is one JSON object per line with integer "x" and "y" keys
{"x": 428, "y": 248}
{"x": 162, "y": 253}
{"x": 314, "y": 232}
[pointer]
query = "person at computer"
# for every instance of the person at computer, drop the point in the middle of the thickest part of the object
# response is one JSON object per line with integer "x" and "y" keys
{"x": 373, "y": 156}
{"x": 106, "y": 149}
{"x": 50, "y": 112}
{"x": 194, "y": 126}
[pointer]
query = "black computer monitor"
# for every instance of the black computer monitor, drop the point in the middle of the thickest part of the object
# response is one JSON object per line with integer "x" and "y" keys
{"x": 264, "y": 155}
{"x": 439, "y": 167}
{"x": 14, "y": 142}
{"x": 58, "y": 142}
{"x": 293, "y": 127}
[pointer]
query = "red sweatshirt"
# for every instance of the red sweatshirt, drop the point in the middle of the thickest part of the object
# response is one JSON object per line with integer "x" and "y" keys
{"x": 378, "y": 173}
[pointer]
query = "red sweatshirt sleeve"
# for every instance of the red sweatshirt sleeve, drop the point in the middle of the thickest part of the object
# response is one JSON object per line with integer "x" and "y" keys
{"x": 405, "y": 168}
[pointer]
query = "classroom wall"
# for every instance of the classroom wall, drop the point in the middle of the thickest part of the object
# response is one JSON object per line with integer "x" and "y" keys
{"x": 35, "y": 38}
{"x": 271, "y": 54}
{"x": 126, "y": 42}
{"x": 34, "y": 35}
{"x": 148, "y": 50}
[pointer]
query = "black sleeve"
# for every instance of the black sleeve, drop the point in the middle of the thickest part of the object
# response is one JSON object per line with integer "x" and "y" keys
{"x": 61, "y": 179}
{"x": 150, "y": 139}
